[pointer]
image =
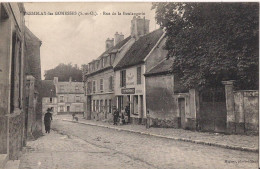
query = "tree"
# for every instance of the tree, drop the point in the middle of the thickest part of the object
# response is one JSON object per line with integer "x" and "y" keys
{"x": 64, "y": 72}
{"x": 212, "y": 42}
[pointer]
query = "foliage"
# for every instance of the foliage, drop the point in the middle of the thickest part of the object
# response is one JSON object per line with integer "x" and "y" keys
{"x": 212, "y": 42}
{"x": 64, "y": 72}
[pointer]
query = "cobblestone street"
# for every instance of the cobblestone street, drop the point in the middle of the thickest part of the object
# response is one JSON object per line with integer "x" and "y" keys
{"x": 73, "y": 145}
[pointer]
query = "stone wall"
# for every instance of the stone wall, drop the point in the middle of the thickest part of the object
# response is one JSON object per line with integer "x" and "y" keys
{"x": 160, "y": 101}
{"x": 15, "y": 135}
{"x": 246, "y": 111}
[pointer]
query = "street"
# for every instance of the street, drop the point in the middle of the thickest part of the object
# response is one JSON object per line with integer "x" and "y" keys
{"x": 73, "y": 145}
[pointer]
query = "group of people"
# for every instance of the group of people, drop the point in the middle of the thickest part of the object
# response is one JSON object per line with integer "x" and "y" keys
{"x": 121, "y": 116}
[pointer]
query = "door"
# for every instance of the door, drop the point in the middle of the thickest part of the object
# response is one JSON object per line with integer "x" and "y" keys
{"x": 181, "y": 102}
{"x": 68, "y": 108}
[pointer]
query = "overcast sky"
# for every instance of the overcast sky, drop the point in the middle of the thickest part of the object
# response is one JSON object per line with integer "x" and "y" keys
{"x": 80, "y": 39}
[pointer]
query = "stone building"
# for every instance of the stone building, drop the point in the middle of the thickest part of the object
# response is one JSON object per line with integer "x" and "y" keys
{"x": 49, "y": 99}
{"x": 70, "y": 96}
{"x": 130, "y": 87}
{"x": 33, "y": 112}
{"x": 12, "y": 80}
{"x": 99, "y": 79}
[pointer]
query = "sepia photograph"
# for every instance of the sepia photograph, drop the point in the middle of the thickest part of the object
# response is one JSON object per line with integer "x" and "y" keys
{"x": 129, "y": 85}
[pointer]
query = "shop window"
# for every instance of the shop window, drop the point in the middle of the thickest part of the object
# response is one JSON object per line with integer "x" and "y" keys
{"x": 101, "y": 105}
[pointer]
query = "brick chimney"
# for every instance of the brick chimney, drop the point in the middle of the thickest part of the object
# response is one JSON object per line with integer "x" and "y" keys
{"x": 118, "y": 37}
{"x": 139, "y": 27}
{"x": 109, "y": 43}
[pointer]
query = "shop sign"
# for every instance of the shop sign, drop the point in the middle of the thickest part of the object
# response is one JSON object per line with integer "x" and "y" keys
{"x": 128, "y": 91}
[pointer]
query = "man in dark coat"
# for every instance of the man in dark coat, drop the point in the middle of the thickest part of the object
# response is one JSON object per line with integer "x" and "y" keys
{"x": 115, "y": 114}
{"x": 47, "y": 121}
{"x": 127, "y": 111}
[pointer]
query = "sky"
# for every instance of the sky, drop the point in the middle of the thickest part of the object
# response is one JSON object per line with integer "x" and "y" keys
{"x": 80, "y": 39}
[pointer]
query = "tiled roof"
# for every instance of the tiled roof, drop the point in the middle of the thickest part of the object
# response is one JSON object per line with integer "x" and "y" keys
{"x": 163, "y": 67}
{"x": 114, "y": 48}
{"x": 47, "y": 88}
{"x": 140, "y": 49}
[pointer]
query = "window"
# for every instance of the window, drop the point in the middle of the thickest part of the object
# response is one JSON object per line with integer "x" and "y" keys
{"x": 102, "y": 63}
{"x": 111, "y": 84}
{"x": 110, "y": 106}
{"x": 61, "y": 98}
{"x": 77, "y": 88}
{"x": 62, "y": 88}
{"x": 101, "y": 105}
{"x": 123, "y": 78}
{"x": 105, "y": 107}
{"x": 61, "y": 108}
{"x": 50, "y": 99}
{"x": 97, "y": 106}
{"x": 77, "y": 99}
{"x": 139, "y": 80}
{"x": 101, "y": 85}
{"x": 89, "y": 87}
{"x": 94, "y": 106}
{"x": 97, "y": 64}
{"x": 94, "y": 86}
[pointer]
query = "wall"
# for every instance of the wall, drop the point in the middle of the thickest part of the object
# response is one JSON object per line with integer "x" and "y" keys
{"x": 160, "y": 101}
{"x": 46, "y": 104}
{"x": 246, "y": 111}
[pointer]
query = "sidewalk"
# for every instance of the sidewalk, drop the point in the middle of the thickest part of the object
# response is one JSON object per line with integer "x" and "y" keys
{"x": 235, "y": 142}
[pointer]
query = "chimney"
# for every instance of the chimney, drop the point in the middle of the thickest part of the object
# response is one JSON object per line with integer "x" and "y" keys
{"x": 139, "y": 27}
{"x": 55, "y": 80}
{"x": 118, "y": 37}
{"x": 109, "y": 43}
{"x": 70, "y": 79}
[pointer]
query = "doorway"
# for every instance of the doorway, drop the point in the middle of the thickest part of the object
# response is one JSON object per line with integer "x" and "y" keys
{"x": 68, "y": 108}
{"x": 181, "y": 102}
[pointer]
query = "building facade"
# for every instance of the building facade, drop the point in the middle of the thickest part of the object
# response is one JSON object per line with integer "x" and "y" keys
{"x": 49, "y": 99}
{"x": 70, "y": 96}
{"x": 99, "y": 79}
{"x": 15, "y": 88}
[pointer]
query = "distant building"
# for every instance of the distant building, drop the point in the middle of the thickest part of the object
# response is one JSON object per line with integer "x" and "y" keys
{"x": 70, "y": 96}
{"x": 49, "y": 99}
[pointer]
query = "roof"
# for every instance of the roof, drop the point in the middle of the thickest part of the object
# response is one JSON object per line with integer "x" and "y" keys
{"x": 47, "y": 88}
{"x": 114, "y": 48}
{"x": 164, "y": 67}
{"x": 30, "y": 35}
{"x": 140, "y": 49}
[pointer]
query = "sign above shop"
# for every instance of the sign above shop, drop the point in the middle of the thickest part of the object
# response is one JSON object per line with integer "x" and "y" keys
{"x": 128, "y": 91}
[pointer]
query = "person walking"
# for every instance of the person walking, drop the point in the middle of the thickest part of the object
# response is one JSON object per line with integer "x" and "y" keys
{"x": 115, "y": 114}
{"x": 47, "y": 121}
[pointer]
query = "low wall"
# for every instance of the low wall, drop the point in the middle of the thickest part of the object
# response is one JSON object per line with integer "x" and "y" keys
{"x": 246, "y": 111}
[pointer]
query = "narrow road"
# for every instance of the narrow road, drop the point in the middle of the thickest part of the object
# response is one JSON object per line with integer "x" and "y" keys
{"x": 73, "y": 145}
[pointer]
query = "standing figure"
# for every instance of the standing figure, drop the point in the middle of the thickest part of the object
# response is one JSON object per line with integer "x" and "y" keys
{"x": 115, "y": 114}
{"x": 47, "y": 121}
{"x": 127, "y": 111}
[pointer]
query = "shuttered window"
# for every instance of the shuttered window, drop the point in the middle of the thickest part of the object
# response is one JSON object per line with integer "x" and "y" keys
{"x": 111, "y": 83}
{"x": 101, "y": 85}
{"x": 139, "y": 71}
{"x": 123, "y": 78}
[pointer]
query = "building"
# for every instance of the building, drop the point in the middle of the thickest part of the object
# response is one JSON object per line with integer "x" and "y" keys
{"x": 130, "y": 88}
{"x": 99, "y": 78}
{"x": 49, "y": 99}
{"x": 70, "y": 96}
{"x": 33, "y": 112}
{"x": 12, "y": 81}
